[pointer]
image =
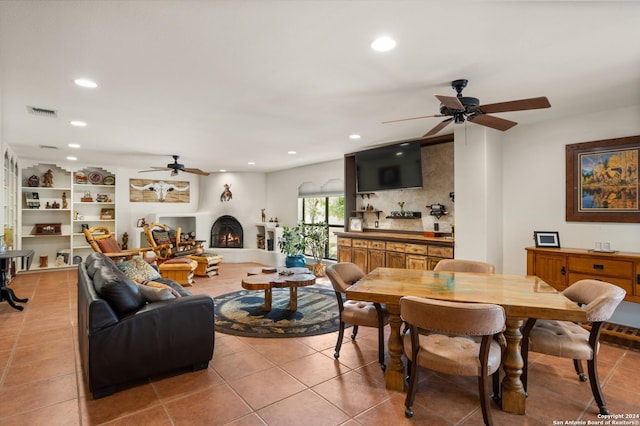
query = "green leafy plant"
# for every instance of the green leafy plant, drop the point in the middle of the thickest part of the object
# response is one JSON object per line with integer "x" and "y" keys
{"x": 292, "y": 241}
{"x": 316, "y": 238}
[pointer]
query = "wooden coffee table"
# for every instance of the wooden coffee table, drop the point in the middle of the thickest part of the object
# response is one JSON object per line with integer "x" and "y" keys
{"x": 258, "y": 280}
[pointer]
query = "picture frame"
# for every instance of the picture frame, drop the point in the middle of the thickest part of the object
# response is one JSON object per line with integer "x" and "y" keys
{"x": 548, "y": 239}
{"x": 355, "y": 224}
{"x": 107, "y": 214}
{"x": 602, "y": 181}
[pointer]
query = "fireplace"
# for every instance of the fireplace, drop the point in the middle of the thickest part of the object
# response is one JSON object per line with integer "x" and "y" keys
{"x": 226, "y": 232}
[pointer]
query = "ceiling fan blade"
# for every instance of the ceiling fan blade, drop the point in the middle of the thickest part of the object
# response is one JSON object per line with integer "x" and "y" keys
{"x": 153, "y": 169}
{"x": 493, "y": 122}
{"x": 439, "y": 127}
{"x": 451, "y": 102}
{"x": 519, "y": 105}
{"x": 413, "y": 118}
{"x": 196, "y": 171}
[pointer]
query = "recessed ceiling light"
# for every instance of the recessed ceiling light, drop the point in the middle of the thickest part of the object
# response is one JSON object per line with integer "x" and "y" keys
{"x": 83, "y": 82}
{"x": 291, "y": 152}
{"x": 223, "y": 170}
{"x": 251, "y": 163}
{"x": 72, "y": 158}
{"x": 354, "y": 136}
{"x": 73, "y": 145}
{"x": 78, "y": 123}
{"x": 383, "y": 44}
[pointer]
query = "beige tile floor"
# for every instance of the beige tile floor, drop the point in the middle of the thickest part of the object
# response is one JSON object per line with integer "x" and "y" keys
{"x": 253, "y": 381}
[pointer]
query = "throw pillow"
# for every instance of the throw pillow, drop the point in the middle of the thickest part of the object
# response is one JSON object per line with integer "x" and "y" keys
{"x": 136, "y": 268}
{"x": 159, "y": 285}
{"x": 109, "y": 245}
{"x": 155, "y": 294}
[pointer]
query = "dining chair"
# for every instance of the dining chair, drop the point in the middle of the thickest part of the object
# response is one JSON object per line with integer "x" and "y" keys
{"x": 461, "y": 265}
{"x": 367, "y": 314}
{"x": 570, "y": 340}
{"x": 452, "y": 338}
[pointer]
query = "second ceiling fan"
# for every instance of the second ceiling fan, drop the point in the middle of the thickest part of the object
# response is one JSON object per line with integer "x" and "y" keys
{"x": 460, "y": 108}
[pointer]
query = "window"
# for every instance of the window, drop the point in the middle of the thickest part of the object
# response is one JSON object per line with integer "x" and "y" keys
{"x": 329, "y": 210}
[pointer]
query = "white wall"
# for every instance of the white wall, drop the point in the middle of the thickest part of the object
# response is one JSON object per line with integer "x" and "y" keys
{"x": 282, "y": 188}
{"x": 534, "y": 184}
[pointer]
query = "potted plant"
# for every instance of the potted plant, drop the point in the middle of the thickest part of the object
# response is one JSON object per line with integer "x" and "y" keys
{"x": 316, "y": 236}
{"x": 291, "y": 243}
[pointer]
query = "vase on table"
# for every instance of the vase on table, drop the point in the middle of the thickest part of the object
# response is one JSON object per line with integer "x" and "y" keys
{"x": 297, "y": 261}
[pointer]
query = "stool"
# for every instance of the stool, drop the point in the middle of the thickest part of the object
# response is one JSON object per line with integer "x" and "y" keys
{"x": 207, "y": 264}
{"x": 180, "y": 270}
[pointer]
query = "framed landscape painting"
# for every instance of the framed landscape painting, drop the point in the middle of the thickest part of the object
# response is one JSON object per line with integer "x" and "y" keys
{"x": 602, "y": 183}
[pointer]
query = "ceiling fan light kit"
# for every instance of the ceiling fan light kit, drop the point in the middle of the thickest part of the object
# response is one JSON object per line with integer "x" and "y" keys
{"x": 466, "y": 108}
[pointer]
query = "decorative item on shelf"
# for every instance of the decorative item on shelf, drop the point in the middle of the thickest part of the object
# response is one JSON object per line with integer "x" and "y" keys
{"x": 437, "y": 210}
{"x": 102, "y": 198}
{"x": 369, "y": 208}
{"x": 65, "y": 204}
{"x": 546, "y": 239}
{"x": 48, "y": 229}
{"x": 401, "y": 204}
{"x": 33, "y": 200}
{"x": 404, "y": 215}
{"x": 33, "y": 181}
{"x": 84, "y": 226}
{"x": 80, "y": 178}
{"x": 55, "y": 205}
{"x": 44, "y": 261}
{"x": 263, "y": 216}
{"x": 355, "y": 224}
{"x": 60, "y": 260}
{"x": 109, "y": 180}
{"x": 80, "y": 217}
{"x": 77, "y": 260}
{"x": 95, "y": 178}
{"x": 107, "y": 214}
{"x": 452, "y": 195}
{"x": 291, "y": 243}
{"x": 47, "y": 179}
{"x": 87, "y": 198}
{"x": 48, "y": 205}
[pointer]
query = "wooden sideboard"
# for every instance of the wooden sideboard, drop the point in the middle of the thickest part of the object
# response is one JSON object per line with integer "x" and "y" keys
{"x": 564, "y": 266}
{"x": 371, "y": 250}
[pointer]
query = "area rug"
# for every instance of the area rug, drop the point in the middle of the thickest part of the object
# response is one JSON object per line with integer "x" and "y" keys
{"x": 242, "y": 313}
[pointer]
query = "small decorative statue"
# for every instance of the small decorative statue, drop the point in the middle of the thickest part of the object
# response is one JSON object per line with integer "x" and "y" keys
{"x": 226, "y": 194}
{"x": 64, "y": 200}
{"x": 48, "y": 179}
{"x": 33, "y": 181}
{"x": 264, "y": 216}
{"x": 125, "y": 241}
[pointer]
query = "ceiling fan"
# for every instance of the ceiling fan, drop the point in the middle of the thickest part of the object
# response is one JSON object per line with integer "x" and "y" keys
{"x": 176, "y": 167}
{"x": 460, "y": 108}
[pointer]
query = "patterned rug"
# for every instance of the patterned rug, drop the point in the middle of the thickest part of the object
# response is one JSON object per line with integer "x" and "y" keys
{"x": 241, "y": 313}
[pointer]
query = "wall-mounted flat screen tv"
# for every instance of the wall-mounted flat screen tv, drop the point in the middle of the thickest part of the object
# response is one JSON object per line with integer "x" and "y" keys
{"x": 389, "y": 167}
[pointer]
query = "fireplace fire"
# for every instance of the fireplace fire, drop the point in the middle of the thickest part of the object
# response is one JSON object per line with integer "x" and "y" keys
{"x": 226, "y": 232}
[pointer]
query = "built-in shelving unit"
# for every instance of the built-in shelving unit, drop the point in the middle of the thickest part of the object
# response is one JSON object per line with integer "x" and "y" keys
{"x": 54, "y": 210}
{"x": 268, "y": 235}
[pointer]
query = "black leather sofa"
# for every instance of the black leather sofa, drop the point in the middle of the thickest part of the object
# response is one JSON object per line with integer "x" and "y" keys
{"x": 124, "y": 339}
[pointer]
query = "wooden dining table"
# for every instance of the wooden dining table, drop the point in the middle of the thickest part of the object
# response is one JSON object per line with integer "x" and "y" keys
{"x": 521, "y": 297}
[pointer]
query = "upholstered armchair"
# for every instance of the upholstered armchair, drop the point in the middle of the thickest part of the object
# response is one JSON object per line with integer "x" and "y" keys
{"x": 103, "y": 241}
{"x": 367, "y": 314}
{"x": 461, "y": 265}
{"x": 166, "y": 242}
{"x": 570, "y": 340}
{"x": 452, "y": 338}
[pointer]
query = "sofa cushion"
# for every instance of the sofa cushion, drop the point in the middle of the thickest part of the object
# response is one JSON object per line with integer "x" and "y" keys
{"x": 136, "y": 268}
{"x": 161, "y": 237}
{"x": 112, "y": 285}
{"x": 159, "y": 285}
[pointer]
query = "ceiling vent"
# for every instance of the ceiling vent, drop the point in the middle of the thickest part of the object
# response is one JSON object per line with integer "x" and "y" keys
{"x": 42, "y": 112}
